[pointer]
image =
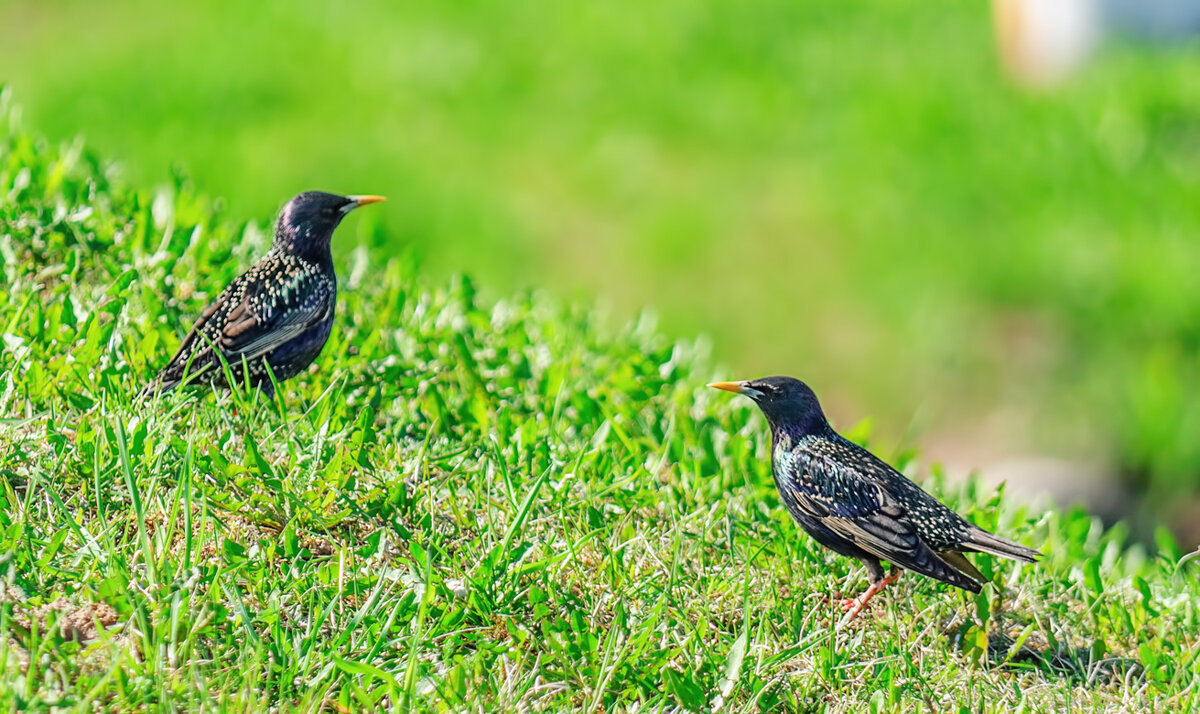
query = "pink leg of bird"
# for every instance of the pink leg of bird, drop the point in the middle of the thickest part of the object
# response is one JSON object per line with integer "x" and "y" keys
{"x": 855, "y": 605}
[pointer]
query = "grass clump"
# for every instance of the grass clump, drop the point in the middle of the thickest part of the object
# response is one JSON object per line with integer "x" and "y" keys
{"x": 464, "y": 506}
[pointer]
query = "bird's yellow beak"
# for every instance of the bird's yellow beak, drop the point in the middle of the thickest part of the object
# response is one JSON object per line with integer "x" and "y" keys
{"x": 365, "y": 200}
{"x": 735, "y": 387}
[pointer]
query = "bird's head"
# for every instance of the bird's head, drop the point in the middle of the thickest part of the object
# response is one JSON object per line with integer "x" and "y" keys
{"x": 306, "y": 223}
{"x": 787, "y": 403}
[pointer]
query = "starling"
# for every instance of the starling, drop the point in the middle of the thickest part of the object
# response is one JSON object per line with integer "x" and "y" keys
{"x": 277, "y": 314}
{"x": 853, "y": 503}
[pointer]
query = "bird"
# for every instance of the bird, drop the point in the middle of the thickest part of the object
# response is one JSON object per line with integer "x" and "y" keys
{"x": 278, "y": 314}
{"x": 853, "y": 503}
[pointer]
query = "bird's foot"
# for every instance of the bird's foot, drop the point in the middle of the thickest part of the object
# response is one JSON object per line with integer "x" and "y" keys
{"x": 853, "y": 606}
{"x": 837, "y": 597}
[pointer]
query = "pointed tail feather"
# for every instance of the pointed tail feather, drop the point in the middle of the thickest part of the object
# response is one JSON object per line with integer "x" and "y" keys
{"x": 934, "y": 565}
{"x": 981, "y": 541}
{"x": 964, "y": 566}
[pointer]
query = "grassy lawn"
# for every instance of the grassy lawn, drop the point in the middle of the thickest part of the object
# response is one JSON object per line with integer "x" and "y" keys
{"x": 468, "y": 504}
{"x": 851, "y": 194}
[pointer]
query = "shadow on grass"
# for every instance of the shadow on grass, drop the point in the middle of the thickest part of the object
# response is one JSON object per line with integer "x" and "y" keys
{"x": 1031, "y": 649}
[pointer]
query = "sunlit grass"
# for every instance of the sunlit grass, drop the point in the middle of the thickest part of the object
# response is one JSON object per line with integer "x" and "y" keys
{"x": 861, "y": 184}
{"x": 466, "y": 505}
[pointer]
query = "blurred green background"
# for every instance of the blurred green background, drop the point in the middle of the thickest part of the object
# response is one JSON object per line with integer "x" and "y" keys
{"x": 850, "y": 193}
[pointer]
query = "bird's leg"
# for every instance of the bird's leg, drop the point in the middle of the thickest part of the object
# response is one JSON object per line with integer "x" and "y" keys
{"x": 855, "y": 605}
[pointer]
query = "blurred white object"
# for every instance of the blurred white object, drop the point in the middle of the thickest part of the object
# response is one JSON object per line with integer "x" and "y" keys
{"x": 1043, "y": 41}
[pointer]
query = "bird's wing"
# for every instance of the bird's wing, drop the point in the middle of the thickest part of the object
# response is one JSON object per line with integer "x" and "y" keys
{"x": 269, "y": 317}
{"x": 853, "y": 507}
{"x": 863, "y": 512}
{"x": 195, "y": 354}
{"x": 939, "y": 527}
{"x": 252, "y": 316}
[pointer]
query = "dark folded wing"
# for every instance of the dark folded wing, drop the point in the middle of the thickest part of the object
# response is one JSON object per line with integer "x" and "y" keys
{"x": 939, "y": 527}
{"x": 861, "y": 511}
{"x": 265, "y": 321}
{"x": 254, "y": 315}
{"x": 195, "y": 355}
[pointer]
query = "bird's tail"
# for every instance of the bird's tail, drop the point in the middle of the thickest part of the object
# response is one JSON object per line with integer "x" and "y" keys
{"x": 962, "y": 565}
{"x": 947, "y": 570}
{"x": 981, "y": 541}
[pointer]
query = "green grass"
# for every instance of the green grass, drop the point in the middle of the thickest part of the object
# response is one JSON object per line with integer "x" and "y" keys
{"x": 884, "y": 215}
{"x": 466, "y": 505}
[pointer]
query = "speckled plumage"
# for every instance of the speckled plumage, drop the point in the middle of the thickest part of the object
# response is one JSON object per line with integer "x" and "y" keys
{"x": 279, "y": 313}
{"x": 853, "y": 503}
